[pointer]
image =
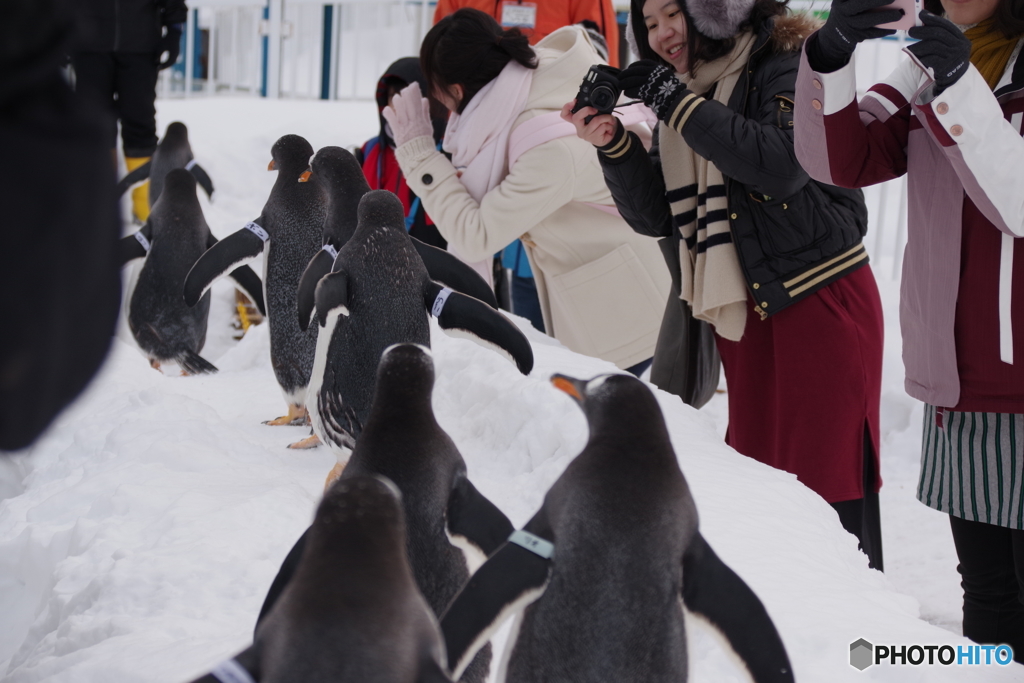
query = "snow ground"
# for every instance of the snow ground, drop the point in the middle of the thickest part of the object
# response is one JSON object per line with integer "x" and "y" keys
{"x": 139, "y": 535}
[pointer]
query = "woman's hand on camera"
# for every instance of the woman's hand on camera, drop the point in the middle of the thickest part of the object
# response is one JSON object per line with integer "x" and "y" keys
{"x": 409, "y": 115}
{"x": 601, "y": 129}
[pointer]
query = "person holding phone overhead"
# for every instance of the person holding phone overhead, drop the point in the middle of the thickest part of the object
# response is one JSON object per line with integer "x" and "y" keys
{"x": 773, "y": 260}
{"x": 950, "y": 117}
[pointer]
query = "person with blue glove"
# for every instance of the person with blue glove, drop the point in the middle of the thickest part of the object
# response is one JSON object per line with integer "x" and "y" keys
{"x": 950, "y": 117}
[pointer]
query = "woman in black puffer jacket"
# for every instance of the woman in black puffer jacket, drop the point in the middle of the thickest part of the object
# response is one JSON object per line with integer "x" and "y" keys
{"x": 773, "y": 260}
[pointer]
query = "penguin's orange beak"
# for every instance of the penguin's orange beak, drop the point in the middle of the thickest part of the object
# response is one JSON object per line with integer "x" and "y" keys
{"x": 568, "y": 385}
{"x": 271, "y": 166}
{"x": 305, "y": 176}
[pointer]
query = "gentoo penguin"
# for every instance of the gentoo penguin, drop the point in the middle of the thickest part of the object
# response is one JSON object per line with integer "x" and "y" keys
{"x": 600, "y": 575}
{"x": 174, "y": 151}
{"x": 379, "y": 294}
{"x": 352, "y": 611}
{"x": 291, "y": 223}
{"x": 452, "y": 526}
{"x": 174, "y": 236}
{"x": 343, "y": 179}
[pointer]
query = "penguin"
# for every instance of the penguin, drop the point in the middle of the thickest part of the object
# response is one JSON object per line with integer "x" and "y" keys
{"x": 290, "y": 229}
{"x": 173, "y": 151}
{"x": 452, "y": 526}
{"x": 378, "y": 294}
{"x": 352, "y": 611}
{"x": 342, "y": 176}
{"x": 174, "y": 236}
{"x": 597, "y": 579}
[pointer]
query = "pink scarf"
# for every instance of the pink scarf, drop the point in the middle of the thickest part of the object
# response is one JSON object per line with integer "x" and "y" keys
{"x": 478, "y": 138}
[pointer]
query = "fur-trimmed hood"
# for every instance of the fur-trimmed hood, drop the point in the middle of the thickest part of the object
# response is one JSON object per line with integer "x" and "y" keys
{"x": 788, "y": 32}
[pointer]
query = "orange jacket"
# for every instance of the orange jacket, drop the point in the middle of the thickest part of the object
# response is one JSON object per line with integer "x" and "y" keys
{"x": 550, "y": 16}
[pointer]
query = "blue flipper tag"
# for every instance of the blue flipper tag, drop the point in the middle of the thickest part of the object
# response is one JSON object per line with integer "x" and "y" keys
{"x": 143, "y": 241}
{"x": 189, "y": 165}
{"x": 257, "y": 230}
{"x": 329, "y": 248}
{"x": 230, "y": 671}
{"x": 535, "y": 544}
{"x": 439, "y": 302}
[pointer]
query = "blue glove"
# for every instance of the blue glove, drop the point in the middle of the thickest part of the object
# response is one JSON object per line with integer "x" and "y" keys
{"x": 943, "y": 48}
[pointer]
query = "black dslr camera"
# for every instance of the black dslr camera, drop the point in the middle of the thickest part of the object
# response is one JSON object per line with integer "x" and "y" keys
{"x": 599, "y": 89}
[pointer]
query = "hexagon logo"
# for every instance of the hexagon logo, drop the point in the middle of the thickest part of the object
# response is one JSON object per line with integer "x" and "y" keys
{"x": 861, "y": 654}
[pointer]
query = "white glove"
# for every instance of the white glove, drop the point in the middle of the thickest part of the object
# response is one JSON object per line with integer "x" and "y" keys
{"x": 409, "y": 115}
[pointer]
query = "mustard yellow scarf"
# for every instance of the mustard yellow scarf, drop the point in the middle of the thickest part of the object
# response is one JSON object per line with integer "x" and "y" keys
{"x": 990, "y": 51}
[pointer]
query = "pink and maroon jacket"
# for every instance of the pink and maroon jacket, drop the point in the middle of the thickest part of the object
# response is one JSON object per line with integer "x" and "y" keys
{"x": 962, "y": 293}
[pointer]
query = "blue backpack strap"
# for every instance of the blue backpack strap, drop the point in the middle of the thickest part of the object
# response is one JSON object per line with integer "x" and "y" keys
{"x": 411, "y": 216}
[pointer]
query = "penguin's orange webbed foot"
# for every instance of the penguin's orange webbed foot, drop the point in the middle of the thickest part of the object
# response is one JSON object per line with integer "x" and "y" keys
{"x": 311, "y": 441}
{"x": 297, "y": 415}
{"x": 335, "y": 474}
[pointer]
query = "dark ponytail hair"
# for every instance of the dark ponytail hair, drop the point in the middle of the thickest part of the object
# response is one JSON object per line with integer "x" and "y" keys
{"x": 1009, "y": 16}
{"x": 700, "y": 49}
{"x": 469, "y": 48}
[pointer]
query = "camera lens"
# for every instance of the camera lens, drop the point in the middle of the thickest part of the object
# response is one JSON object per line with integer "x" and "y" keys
{"x": 603, "y": 98}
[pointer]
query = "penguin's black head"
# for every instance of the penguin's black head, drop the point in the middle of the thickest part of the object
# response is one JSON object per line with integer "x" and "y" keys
{"x": 380, "y": 209}
{"x": 176, "y": 132}
{"x": 615, "y": 403}
{"x": 179, "y": 182}
{"x": 290, "y": 153}
{"x": 337, "y": 167}
{"x": 405, "y": 379}
{"x": 361, "y": 505}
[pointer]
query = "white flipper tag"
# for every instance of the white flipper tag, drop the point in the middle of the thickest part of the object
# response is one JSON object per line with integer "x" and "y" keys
{"x": 535, "y": 544}
{"x": 329, "y": 248}
{"x": 258, "y": 231}
{"x": 231, "y": 671}
{"x": 439, "y": 302}
{"x": 189, "y": 165}
{"x": 143, "y": 241}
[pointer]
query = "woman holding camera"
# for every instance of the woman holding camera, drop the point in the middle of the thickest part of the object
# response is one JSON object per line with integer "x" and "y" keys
{"x": 950, "y": 117}
{"x": 772, "y": 259}
{"x": 516, "y": 172}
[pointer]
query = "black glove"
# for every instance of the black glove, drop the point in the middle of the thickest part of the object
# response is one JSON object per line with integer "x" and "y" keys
{"x": 942, "y": 48}
{"x": 655, "y": 84}
{"x": 849, "y": 22}
{"x": 171, "y": 44}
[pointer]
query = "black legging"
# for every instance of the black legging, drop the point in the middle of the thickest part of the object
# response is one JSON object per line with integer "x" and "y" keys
{"x": 992, "y": 572}
{"x": 861, "y": 517}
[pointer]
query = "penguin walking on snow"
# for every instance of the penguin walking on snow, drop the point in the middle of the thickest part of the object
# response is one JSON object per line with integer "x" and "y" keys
{"x": 289, "y": 229}
{"x": 352, "y": 611}
{"x": 600, "y": 575}
{"x": 379, "y": 294}
{"x": 174, "y": 236}
{"x": 173, "y": 151}
{"x": 342, "y": 177}
{"x": 452, "y": 526}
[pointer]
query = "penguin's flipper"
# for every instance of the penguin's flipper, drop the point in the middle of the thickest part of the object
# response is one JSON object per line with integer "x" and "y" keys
{"x": 318, "y": 266}
{"x": 223, "y": 257}
{"x": 431, "y": 672}
{"x": 203, "y": 178}
{"x": 136, "y": 176}
{"x": 250, "y": 283}
{"x": 447, "y": 269}
{"x": 505, "y": 585}
{"x": 284, "y": 575}
{"x": 243, "y": 666}
{"x": 194, "y": 364}
{"x": 331, "y": 295}
{"x": 475, "y": 518}
{"x": 713, "y": 590}
{"x": 460, "y": 313}
{"x": 136, "y": 245}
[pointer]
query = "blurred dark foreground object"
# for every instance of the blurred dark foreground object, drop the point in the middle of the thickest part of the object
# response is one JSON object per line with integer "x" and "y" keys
{"x": 58, "y": 225}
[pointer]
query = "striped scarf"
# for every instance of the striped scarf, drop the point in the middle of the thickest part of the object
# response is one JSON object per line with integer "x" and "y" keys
{"x": 712, "y": 281}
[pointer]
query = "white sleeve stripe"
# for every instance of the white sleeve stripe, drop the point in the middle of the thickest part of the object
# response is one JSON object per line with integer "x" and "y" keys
{"x": 1005, "y": 291}
{"x": 1016, "y": 120}
{"x": 886, "y": 103}
{"x": 839, "y": 88}
{"x": 231, "y": 671}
